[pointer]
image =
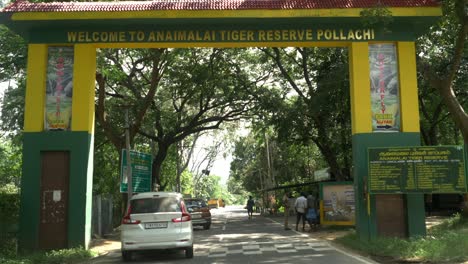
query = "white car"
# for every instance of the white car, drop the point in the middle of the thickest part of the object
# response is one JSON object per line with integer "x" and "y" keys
{"x": 156, "y": 220}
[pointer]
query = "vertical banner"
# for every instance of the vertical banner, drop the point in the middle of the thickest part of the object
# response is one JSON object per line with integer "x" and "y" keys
{"x": 59, "y": 88}
{"x": 384, "y": 82}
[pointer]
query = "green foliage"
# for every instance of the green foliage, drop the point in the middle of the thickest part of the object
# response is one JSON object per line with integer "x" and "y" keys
{"x": 186, "y": 182}
{"x": 12, "y": 113}
{"x": 453, "y": 223}
{"x": 9, "y": 214}
{"x": 13, "y": 57}
{"x": 209, "y": 186}
{"x": 193, "y": 90}
{"x": 9, "y": 204}
{"x": 10, "y": 176}
{"x": 245, "y": 166}
{"x": 10, "y": 164}
{"x": 236, "y": 199}
{"x": 444, "y": 243}
{"x": 64, "y": 256}
{"x": 13, "y": 54}
{"x": 435, "y": 52}
{"x": 377, "y": 16}
{"x": 315, "y": 108}
{"x": 169, "y": 169}
{"x": 107, "y": 162}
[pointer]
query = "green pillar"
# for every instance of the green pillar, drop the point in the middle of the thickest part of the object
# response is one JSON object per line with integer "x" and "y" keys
{"x": 364, "y": 138}
{"x": 78, "y": 142}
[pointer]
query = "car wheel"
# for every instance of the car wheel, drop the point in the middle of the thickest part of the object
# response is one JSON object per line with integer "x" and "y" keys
{"x": 206, "y": 227}
{"x": 189, "y": 252}
{"x": 127, "y": 255}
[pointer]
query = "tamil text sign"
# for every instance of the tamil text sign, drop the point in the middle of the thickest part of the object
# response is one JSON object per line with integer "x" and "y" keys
{"x": 439, "y": 169}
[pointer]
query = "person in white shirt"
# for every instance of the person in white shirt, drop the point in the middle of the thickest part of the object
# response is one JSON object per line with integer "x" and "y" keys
{"x": 301, "y": 209}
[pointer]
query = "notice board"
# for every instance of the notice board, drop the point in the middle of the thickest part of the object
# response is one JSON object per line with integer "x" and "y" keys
{"x": 434, "y": 169}
{"x": 337, "y": 203}
{"x": 141, "y": 172}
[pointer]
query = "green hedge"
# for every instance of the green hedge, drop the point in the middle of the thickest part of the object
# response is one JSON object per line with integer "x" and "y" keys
{"x": 9, "y": 207}
{"x": 9, "y": 214}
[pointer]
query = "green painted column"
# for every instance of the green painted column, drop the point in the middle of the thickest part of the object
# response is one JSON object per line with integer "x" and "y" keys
{"x": 79, "y": 145}
{"x": 367, "y": 212}
{"x": 84, "y": 71}
{"x": 410, "y": 124}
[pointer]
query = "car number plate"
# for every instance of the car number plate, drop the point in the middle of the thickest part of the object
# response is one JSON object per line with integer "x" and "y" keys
{"x": 196, "y": 216}
{"x": 156, "y": 225}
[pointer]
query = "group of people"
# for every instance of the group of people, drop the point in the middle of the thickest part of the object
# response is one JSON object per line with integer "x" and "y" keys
{"x": 304, "y": 206}
{"x": 306, "y": 210}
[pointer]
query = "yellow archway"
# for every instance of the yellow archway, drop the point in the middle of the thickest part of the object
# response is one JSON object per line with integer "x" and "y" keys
{"x": 86, "y": 26}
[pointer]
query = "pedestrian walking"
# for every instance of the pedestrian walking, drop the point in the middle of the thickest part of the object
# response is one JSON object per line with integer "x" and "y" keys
{"x": 312, "y": 215}
{"x": 301, "y": 206}
{"x": 286, "y": 209}
{"x": 250, "y": 205}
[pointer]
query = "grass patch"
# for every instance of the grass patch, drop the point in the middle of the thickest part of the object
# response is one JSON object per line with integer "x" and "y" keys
{"x": 447, "y": 242}
{"x": 63, "y": 256}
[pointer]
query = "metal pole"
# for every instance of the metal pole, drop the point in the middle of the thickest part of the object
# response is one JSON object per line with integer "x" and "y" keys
{"x": 267, "y": 148}
{"x": 129, "y": 162}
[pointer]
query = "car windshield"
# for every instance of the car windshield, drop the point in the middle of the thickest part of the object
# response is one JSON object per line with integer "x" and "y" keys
{"x": 155, "y": 205}
{"x": 195, "y": 203}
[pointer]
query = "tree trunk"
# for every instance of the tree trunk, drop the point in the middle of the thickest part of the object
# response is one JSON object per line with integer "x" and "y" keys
{"x": 331, "y": 159}
{"x": 432, "y": 136}
{"x": 179, "y": 168}
{"x": 456, "y": 110}
{"x": 157, "y": 166}
{"x": 445, "y": 82}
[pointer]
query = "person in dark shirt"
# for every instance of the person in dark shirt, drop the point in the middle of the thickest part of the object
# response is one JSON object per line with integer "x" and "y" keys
{"x": 250, "y": 205}
{"x": 312, "y": 215}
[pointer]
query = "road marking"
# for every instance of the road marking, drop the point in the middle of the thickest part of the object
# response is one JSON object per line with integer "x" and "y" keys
{"x": 252, "y": 253}
{"x": 247, "y": 247}
{"x": 225, "y": 221}
{"x": 325, "y": 244}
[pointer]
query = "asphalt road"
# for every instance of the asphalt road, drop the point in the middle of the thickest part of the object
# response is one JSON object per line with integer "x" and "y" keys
{"x": 233, "y": 238}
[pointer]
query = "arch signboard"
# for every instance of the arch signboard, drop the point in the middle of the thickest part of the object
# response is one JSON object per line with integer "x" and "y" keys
{"x": 63, "y": 37}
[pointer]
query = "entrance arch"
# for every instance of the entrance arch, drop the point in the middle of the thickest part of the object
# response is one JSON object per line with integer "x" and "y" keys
{"x": 86, "y": 26}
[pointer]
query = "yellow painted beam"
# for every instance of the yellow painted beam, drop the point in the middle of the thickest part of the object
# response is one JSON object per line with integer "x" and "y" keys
{"x": 361, "y": 114}
{"x": 176, "y": 14}
{"x": 35, "y": 88}
{"x": 84, "y": 72}
{"x": 408, "y": 87}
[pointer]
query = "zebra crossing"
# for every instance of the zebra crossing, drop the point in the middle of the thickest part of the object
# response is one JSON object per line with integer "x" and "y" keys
{"x": 258, "y": 248}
